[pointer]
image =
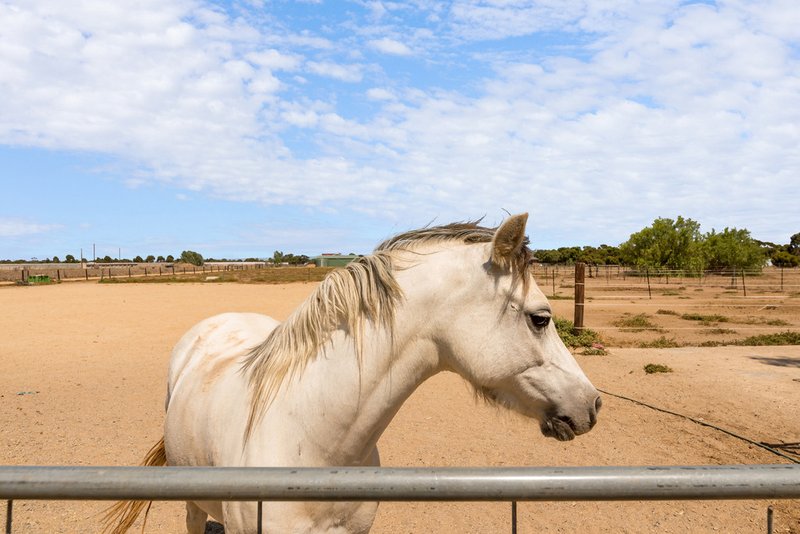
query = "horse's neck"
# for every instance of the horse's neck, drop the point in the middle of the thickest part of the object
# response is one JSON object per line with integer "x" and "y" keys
{"x": 342, "y": 407}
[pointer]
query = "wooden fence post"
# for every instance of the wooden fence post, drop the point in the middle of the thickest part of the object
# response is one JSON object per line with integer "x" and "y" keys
{"x": 580, "y": 277}
{"x": 744, "y": 287}
{"x": 649, "y": 292}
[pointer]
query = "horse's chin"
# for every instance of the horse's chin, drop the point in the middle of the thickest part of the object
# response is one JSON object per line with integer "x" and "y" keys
{"x": 558, "y": 429}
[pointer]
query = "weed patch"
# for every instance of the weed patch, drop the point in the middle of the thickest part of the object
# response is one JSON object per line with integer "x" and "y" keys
{"x": 573, "y": 338}
{"x": 594, "y": 351}
{"x": 636, "y": 323}
{"x": 713, "y": 318}
{"x": 764, "y": 321}
{"x": 661, "y": 343}
{"x": 651, "y": 368}
{"x": 720, "y": 331}
{"x": 781, "y": 338}
{"x": 666, "y": 312}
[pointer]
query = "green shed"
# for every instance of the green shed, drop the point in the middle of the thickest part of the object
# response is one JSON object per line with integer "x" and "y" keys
{"x": 333, "y": 260}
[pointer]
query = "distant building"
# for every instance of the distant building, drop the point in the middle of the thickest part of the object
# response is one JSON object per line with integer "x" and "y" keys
{"x": 333, "y": 260}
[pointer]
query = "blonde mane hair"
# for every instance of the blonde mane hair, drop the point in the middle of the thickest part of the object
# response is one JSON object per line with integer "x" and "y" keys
{"x": 364, "y": 290}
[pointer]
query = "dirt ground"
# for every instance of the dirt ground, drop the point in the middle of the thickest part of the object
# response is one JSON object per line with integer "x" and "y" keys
{"x": 82, "y": 382}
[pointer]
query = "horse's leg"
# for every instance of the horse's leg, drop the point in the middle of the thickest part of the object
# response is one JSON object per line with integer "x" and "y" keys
{"x": 195, "y": 519}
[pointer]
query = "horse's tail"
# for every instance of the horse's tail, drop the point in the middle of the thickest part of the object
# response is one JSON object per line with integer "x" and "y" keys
{"x": 121, "y": 516}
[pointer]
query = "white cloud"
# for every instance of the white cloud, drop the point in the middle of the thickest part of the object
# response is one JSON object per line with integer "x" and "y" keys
{"x": 390, "y": 46}
{"x": 11, "y": 228}
{"x": 377, "y": 93}
{"x": 329, "y": 69}
{"x": 478, "y": 19}
{"x": 273, "y": 59}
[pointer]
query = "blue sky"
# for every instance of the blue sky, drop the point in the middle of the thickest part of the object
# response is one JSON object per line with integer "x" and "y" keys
{"x": 238, "y": 128}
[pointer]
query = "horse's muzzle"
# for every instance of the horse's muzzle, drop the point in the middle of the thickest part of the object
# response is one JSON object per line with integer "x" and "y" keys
{"x": 564, "y": 427}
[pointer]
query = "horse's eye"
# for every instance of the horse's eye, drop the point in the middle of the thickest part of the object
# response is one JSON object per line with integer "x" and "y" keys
{"x": 540, "y": 321}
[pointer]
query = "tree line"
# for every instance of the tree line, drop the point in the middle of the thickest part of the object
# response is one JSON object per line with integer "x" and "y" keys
{"x": 680, "y": 245}
{"x": 187, "y": 256}
{"x": 666, "y": 244}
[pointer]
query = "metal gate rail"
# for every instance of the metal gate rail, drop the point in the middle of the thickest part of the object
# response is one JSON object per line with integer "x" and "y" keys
{"x": 775, "y": 481}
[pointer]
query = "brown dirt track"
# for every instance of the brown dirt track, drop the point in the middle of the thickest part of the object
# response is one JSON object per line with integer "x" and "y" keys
{"x": 82, "y": 381}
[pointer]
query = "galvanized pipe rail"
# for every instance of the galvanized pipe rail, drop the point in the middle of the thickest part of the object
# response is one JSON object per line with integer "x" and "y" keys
{"x": 775, "y": 481}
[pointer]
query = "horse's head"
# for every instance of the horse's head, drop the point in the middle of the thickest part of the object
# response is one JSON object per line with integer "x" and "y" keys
{"x": 499, "y": 334}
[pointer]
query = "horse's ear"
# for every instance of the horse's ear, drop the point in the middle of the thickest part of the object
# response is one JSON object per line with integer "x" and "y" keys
{"x": 508, "y": 239}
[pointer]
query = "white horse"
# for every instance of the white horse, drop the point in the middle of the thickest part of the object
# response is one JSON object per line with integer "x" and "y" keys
{"x": 319, "y": 389}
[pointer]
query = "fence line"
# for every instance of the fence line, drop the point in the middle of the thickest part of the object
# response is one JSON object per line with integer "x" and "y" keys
{"x": 705, "y": 482}
{"x": 75, "y": 271}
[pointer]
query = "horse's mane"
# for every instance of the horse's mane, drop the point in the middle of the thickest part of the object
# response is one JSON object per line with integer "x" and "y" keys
{"x": 364, "y": 290}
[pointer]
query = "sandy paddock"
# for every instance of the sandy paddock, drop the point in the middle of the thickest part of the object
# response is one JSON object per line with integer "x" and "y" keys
{"x": 82, "y": 381}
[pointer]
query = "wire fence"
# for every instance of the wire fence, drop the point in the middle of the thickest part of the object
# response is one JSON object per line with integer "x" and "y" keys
{"x": 55, "y": 273}
{"x": 610, "y": 278}
{"x": 631, "y": 307}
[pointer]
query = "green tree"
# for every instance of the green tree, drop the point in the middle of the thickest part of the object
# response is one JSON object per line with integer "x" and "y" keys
{"x": 794, "y": 244}
{"x": 56, "y": 260}
{"x": 782, "y": 258}
{"x": 161, "y": 258}
{"x": 732, "y": 249}
{"x": 170, "y": 258}
{"x": 192, "y": 257}
{"x": 278, "y": 257}
{"x": 150, "y": 259}
{"x": 138, "y": 259}
{"x": 69, "y": 258}
{"x": 667, "y": 243}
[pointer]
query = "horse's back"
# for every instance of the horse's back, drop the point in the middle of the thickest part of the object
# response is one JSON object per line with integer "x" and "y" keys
{"x": 206, "y": 392}
{"x": 220, "y": 337}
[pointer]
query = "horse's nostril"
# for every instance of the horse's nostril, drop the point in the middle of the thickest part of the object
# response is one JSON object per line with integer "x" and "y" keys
{"x": 598, "y": 403}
